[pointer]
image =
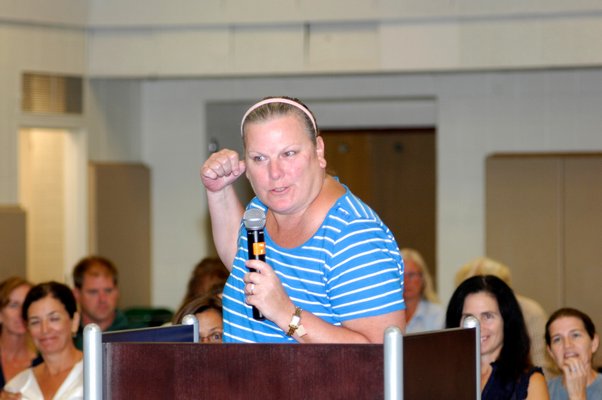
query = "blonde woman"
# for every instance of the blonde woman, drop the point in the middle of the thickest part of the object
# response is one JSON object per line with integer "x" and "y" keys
{"x": 423, "y": 311}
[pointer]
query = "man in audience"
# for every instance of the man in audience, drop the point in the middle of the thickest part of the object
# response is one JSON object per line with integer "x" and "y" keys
{"x": 96, "y": 291}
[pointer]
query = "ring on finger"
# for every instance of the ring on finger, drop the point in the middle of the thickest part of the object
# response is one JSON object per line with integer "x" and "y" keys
{"x": 252, "y": 291}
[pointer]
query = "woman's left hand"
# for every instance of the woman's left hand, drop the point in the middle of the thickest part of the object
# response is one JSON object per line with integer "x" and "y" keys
{"x": 575, "y": 376}
{"x": 265, "y": 291}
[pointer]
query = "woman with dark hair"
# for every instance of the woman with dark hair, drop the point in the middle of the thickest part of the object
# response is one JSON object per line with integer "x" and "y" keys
{"x": 51, "y": 314}
{"x": 506, "y": 369}
{"x": 572, "y": 342}
{"x": 208, "y": 275}
{"x": 208, "y": 310}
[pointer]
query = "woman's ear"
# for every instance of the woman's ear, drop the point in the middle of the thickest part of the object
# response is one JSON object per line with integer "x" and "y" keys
{"x": 595, "y": 343}
{"x": 320, "y": 151}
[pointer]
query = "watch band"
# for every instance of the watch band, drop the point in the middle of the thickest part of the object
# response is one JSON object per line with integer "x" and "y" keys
{"x": 295, "y": 325}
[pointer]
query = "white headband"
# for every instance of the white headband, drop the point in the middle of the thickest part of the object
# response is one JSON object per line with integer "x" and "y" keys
{"x": 279, "y": 100}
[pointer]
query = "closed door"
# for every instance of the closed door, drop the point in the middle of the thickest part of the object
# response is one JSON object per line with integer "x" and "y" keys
{"x": 544, "y": 220}
{"x": 120, "y": 225}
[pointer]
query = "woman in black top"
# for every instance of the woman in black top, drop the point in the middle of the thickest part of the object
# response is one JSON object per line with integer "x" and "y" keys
{"x": 506, "y": 369}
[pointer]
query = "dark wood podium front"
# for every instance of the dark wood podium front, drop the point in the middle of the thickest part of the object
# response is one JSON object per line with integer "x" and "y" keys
{"x": 439, "y": 365}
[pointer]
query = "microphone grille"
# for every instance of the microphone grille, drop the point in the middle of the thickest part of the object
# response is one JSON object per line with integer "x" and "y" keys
{"x": 254, "y": 219}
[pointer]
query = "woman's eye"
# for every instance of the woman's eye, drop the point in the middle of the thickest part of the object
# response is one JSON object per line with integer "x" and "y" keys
{"x": 258, "y": 158}
{"x": 290, "y": 153}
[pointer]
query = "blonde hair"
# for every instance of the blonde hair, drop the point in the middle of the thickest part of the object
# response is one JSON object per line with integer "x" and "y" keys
{"x": 428, "y": 289}
{"x": 483, "y": 266}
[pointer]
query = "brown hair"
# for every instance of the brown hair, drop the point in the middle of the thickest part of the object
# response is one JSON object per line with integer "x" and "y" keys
{"x": 590, "y": 328}
{"x": 198, "y": 305}
{"x": 271, "y": 107}
{"x": 93, "y": 265}
{"x": 209, "y": 268}
{"x": 7, "y": 286}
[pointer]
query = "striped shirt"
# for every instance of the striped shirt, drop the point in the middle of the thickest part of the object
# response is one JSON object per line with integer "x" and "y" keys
{"x": 350, "y": 268}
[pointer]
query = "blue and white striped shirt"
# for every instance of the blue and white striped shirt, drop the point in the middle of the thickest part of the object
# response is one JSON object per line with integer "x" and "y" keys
{"x": 350, "y": 268}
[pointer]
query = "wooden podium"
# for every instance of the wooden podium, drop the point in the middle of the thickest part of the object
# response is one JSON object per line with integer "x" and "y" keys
{"x": 436, "y": 365}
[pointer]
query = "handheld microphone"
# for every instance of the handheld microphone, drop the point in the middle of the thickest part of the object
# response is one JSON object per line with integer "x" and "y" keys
{"x": 254, "y": 220}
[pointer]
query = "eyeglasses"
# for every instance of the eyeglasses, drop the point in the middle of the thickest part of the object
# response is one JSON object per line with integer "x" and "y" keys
{"x": 214, "y": 337}
{"x": 413, "y": 275}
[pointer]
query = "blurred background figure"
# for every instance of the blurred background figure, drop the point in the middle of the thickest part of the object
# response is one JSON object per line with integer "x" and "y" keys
{"x": 572, "y": 342}
{"x": 97, "y": 294}
{"x": 423, "y": 311}
{"x": 208, "y": 310}
{"x": 208, "y": 276}
{"x": 16, "y": 348}
{"x": 533, "y": 313}
{"x": 506, "y": 369}
{"x": 51, "y": 314}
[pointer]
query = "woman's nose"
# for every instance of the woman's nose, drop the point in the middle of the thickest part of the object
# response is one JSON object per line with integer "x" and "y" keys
{"x": 275, "y": 170}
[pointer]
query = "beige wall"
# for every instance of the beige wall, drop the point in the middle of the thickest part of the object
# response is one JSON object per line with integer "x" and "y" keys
{"x": 233, "y": 38}
{"x": 360, "y": 64}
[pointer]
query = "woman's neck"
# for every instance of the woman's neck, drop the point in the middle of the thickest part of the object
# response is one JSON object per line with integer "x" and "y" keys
{"x": 488, "y": 359}
{"x": 61, "y": 362}
{"x": 291, "y": 230}
{"x": 13, "y": 345}
{"x": 411, "y": 306}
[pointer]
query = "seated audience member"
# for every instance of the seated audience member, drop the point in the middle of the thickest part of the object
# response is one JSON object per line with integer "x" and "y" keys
{"x": 506, "y": 369}
{"x": 51, "y": 314}
{"x": 423, "y": 311}
{"x": 16, "y": 350}
{"x": 534, "y": 314}
{"x": 208, "y": 276}
{"x": 572, "y": 342}
{"x": 97, "y": 294}
{"x": 208, "y": 310}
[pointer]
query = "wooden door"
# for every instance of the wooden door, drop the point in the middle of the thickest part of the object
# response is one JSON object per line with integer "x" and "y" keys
{"x": 120, "y": 226}
{"x": 544, "y": 220}
{"x": 394, "y": 172}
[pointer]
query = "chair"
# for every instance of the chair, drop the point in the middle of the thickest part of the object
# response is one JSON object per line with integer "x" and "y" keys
{"x": 95, "y": 340}
{"x": 143, "y": 317}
